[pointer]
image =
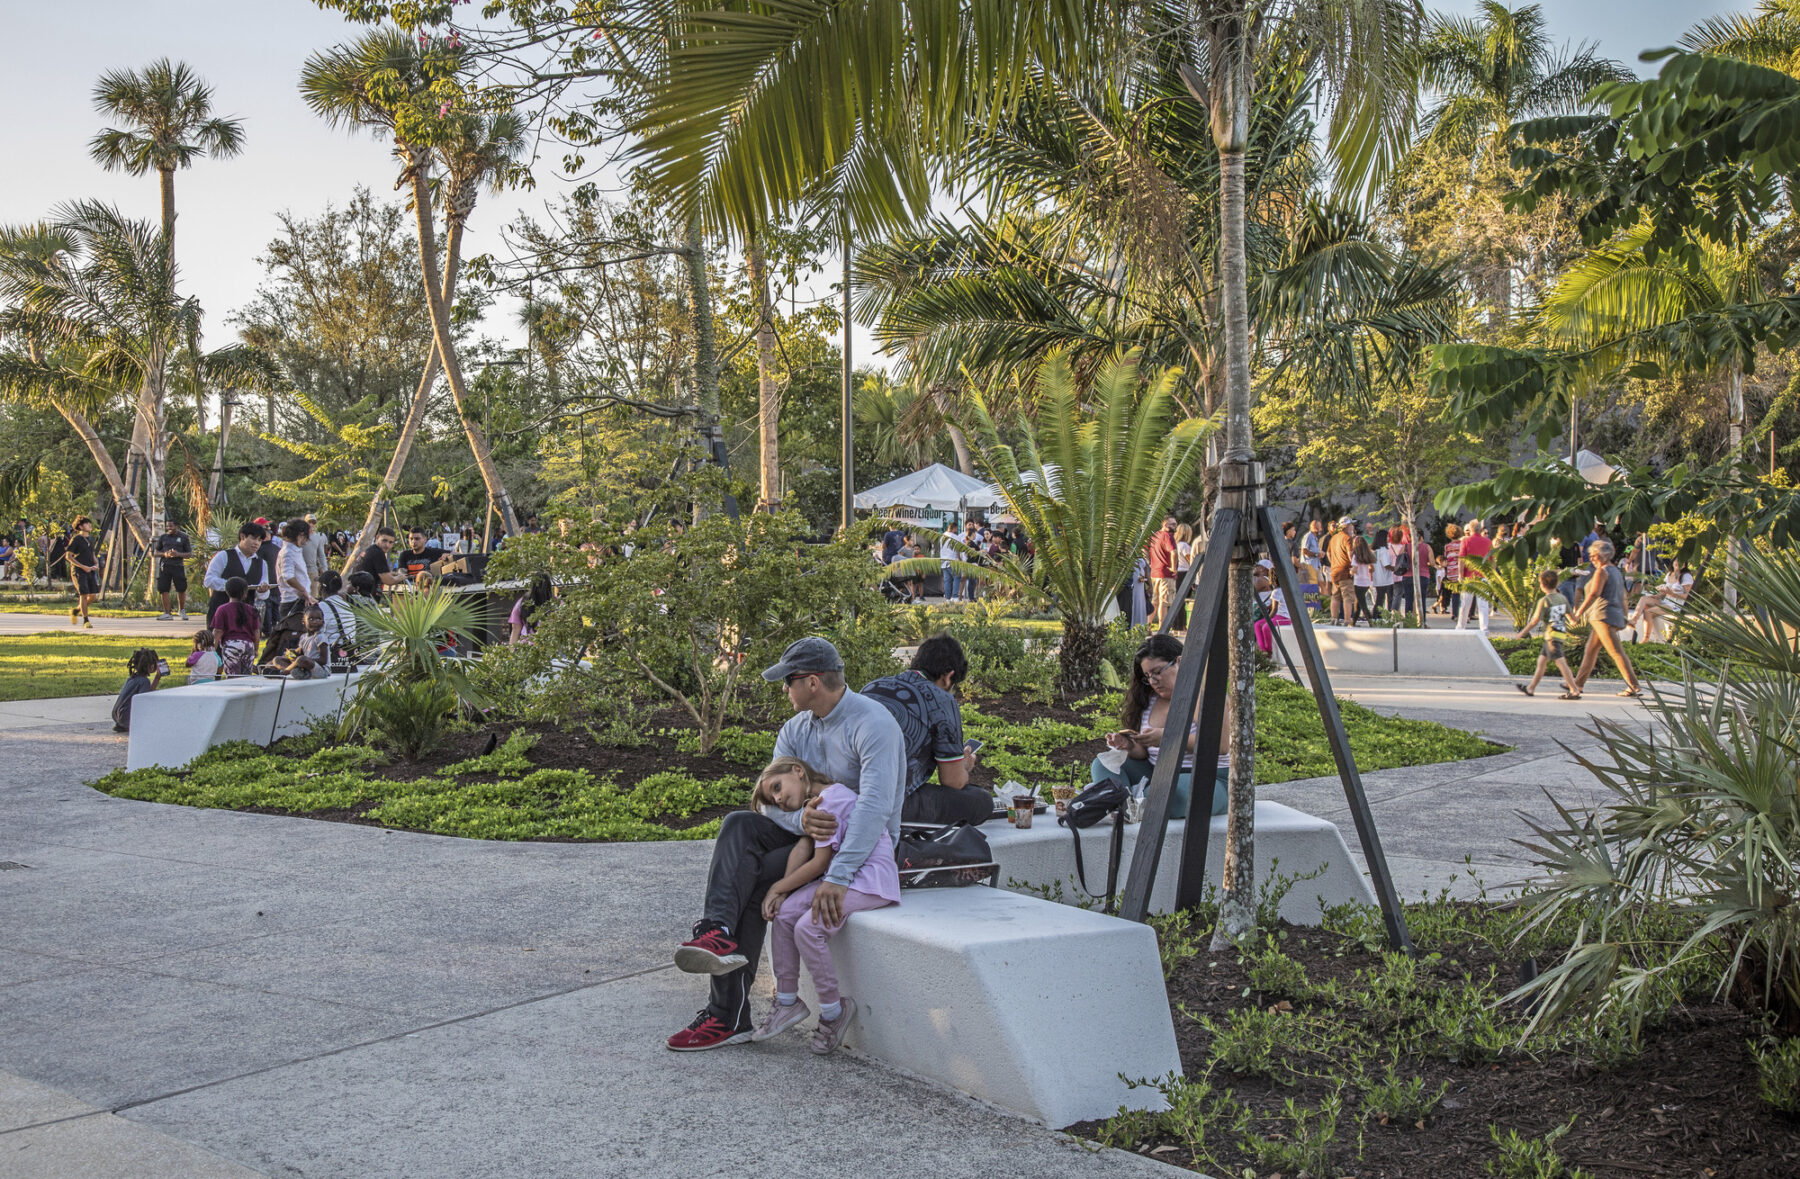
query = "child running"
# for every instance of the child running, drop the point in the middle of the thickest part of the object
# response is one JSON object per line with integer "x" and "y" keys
{"x": 203, "y": 661}
{"x": 1552, "y": 610}
{"x": 788, "y": 784}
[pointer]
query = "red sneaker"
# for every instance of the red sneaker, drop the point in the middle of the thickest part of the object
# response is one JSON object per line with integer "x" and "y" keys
{"x": 710, "y": 952}
{"x": 706, "y": 1032}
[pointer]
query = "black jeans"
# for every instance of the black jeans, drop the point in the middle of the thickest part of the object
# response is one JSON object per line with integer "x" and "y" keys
{"x": 750, "y": 855}
{"x": 937, "y": 803}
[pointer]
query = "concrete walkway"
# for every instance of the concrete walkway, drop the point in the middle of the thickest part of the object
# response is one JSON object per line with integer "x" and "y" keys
{"x": 31, "y": 624}
{"x": 196, "y": 993}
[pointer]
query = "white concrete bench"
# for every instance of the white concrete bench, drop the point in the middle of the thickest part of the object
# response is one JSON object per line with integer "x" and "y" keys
{"x": 1288, "y": 843}
{"x": 1458, "y": 654}
{"x": 1030, "y": 1006}
{"x": 170, "y": 728}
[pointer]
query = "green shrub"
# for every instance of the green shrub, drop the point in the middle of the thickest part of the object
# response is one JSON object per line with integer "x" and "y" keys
{"x": 1406, "y": 1102}
{"x": 411, "y": 717}
{"x": 1531, "y": 1158}
{"x": 1302, "y": 1139}
{"x": 1778, "y": 1073}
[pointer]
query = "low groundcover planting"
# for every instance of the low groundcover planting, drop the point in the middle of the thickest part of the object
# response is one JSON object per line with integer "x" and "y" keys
{"x": 574, "y": 782}
{"x": 1316, "y": 1052}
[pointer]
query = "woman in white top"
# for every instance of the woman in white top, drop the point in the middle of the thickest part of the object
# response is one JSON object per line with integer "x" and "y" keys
{"x": 1678, "y": 582}
{"x": 1146, "y": 708}
{"x": 1385, "y": 556}
{"x": 1184, "y": 559}
{"x": 1362, "y": 570}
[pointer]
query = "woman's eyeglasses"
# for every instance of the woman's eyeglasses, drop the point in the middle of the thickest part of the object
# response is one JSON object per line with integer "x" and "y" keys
{"x": 1157, "y": 672}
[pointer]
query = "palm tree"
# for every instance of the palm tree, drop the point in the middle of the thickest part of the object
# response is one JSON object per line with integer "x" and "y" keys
{"x": 1089, "y": 479}
{"x": 167, "y": 112}
{"x": 168, "y": 124}
{"x": 480, "y": 153}
{"x": 45, "y": 370}
{"x": 1492, "y": 70}
{"x": 1768, "y": 37}
{"x": 384, "y": 82}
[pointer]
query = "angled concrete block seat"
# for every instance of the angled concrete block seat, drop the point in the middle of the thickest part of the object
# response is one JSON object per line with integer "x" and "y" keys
{"x": 171, "y": 727}
{"x": 1030, "y": 1006}
{"x": 1457, "y": 654}
{"x": 1288, "y": 843}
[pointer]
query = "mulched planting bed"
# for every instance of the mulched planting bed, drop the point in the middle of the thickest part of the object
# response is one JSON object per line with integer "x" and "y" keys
{"x": 1686, "y": 1104}
{"x": 576, "y": 780}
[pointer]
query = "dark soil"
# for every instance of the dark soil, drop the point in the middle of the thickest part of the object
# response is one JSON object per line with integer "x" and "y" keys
{"x": 1686, "y": 1106}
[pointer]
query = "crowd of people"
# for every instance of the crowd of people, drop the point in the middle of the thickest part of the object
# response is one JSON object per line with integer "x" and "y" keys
{"x": 974, "y": 543}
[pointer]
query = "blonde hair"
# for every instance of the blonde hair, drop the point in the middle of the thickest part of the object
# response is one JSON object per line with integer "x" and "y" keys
{"x": 1184, "y": 532}
{"x": 815, "y": 781}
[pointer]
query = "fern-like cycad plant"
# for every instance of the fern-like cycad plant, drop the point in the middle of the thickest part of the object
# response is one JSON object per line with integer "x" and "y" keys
{"x": 1508, "y": 581}
{"x": 409, "y": 693}
{"x": 1089, "y": 479}
{"x": 1704, "y": 815}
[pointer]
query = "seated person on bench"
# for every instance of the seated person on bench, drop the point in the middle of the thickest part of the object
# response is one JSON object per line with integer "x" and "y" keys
{"x": 1146, "y": 709}
{"x": 931, "y": 722}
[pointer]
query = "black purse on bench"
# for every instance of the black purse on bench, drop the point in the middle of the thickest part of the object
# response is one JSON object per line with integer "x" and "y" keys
{"x": 944, "y": 857}
{"x": 1088, "y": 808}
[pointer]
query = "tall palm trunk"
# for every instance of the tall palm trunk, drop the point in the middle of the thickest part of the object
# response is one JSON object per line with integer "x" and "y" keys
{"x": 415, "y": 413}
{"x": 1734, "y": 408}
{"x": 1230, "y": 119}
{"x": 419, "y": 168}
{"x": 109, "y": 471}
{"x": 768, "y": 397}
{"x": 217, "y": 483}
{"x": 706, "y": 361}
{"x": 959, "y": 442}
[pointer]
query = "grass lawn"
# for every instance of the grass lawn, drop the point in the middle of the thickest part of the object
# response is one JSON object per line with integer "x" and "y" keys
{"x": 552, "y": 785}
{"x": 78, "y": 663}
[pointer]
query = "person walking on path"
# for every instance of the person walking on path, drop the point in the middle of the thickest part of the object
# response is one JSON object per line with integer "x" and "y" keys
{"x": 1475, "y": 544}
{"x": 1552, "y": 609}
{"x": 1602, "y": 606}
{"x": 172, "y": 550}
{"x": 84, "y": 569}
{"x": 1161, "y": 554}
{"x": 850, "y": 740}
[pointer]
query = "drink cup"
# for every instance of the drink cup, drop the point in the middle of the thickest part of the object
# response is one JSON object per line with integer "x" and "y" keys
{"x": 1063, "y": 795}
{"x": 1023, "y": 805}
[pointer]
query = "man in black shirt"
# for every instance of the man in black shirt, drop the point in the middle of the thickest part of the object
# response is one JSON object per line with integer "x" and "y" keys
{"x": 84, "y": 568}
{"x": 376, "y": 560}
{"x": 421, "y": 557}
{"x": 172, "y": 550}
{"x": 930, "y": 722}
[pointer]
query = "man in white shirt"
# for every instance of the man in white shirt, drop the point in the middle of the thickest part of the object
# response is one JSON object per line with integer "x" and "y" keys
{"x": 292, "y": 580}
{"x": 948, "y": 551}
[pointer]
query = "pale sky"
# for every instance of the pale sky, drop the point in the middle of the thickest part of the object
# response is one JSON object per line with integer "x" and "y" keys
{"x": 251, "y": 51}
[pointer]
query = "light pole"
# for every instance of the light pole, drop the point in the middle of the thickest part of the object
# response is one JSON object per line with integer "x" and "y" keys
{"x": 849, "y": 488}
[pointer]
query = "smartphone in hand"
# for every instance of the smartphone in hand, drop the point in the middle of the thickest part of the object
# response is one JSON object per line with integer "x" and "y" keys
{"x": 972, "y": 747}
{"x": 162, "y": 666}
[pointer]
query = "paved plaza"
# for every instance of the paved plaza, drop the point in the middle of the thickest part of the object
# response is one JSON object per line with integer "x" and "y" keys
{"x": 211, "y": 993}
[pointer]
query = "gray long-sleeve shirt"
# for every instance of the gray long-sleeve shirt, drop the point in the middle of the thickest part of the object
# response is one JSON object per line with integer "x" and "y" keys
{"x": 859, "y": 744}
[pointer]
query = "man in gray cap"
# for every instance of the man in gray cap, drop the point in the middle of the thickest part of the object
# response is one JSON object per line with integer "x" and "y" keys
{"x": 848, "y": 738}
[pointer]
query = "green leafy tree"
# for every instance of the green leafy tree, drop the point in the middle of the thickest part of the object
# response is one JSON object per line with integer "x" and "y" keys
{"x": 1396, "y": 445}
{"x": 693, "y": 611}
{"x": 342, "y": 461}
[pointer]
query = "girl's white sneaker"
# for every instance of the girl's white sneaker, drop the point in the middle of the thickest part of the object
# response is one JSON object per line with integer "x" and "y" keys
{"x": 780, "y": 1019}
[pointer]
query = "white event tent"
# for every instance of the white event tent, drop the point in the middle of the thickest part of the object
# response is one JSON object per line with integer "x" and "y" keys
{"x": 935, "y": 488}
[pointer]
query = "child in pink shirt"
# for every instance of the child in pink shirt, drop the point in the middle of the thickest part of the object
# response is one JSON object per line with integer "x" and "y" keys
{"x": 788, "y": 784}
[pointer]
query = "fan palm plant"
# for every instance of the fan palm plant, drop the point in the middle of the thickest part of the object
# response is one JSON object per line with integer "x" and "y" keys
{"x": 1089, "y": 479}
{"x": 411, "y": 690}
{"x": 1702, "y": 814}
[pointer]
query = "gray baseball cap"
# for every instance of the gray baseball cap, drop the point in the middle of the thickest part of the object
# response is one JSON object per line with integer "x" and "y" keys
{"x": 805, "y": 655}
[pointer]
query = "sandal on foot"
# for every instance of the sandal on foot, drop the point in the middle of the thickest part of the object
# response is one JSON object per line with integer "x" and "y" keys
{"x": 1570, "y": 696}
{"x": 1524, "y": 689}
{"x": 1630, "y": 692}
